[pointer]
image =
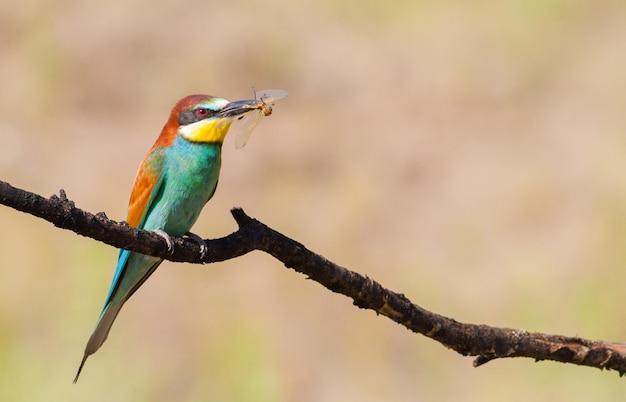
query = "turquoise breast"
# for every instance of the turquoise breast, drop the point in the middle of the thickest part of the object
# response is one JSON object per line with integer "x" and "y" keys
{"x": 191, "y": 171}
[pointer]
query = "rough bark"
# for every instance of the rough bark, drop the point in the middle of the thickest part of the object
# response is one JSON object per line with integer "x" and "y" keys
{"x": 485, "y": 342}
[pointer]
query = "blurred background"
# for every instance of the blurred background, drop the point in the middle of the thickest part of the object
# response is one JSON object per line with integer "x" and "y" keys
{"x": 470, "y": 155}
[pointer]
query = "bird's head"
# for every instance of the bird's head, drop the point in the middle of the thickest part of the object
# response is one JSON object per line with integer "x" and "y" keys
{"x": 202, "y": 118}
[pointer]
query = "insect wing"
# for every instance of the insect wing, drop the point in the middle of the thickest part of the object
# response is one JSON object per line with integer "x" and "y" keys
{"x": 244, "y": 126}
{"x": 271, "y": 95}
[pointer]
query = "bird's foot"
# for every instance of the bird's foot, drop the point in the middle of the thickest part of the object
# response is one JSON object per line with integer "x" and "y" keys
{"x": 167, "y": 238}
{"x": 203, "y": 247}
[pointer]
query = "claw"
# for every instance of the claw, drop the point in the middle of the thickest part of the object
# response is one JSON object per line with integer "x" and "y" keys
{"x": 167, "y": 238}
{"x": 203, "y": 247}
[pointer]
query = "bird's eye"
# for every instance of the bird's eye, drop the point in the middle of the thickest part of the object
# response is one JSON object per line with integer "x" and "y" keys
{"x": 202, "y": 112}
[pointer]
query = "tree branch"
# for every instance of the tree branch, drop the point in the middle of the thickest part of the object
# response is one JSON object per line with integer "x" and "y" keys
{"x": 485, "y": 342}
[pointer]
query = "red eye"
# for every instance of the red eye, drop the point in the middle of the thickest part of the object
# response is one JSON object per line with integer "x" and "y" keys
{"x": 201, "y": 112}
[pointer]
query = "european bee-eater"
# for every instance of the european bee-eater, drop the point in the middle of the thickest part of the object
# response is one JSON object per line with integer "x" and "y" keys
{"x": 174, "y": 181}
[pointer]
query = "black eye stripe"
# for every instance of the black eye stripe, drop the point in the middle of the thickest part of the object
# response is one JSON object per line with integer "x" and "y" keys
{"x": 191, "y": 116}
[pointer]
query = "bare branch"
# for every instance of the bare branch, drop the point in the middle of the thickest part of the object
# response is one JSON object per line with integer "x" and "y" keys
{"x": 485, "y": 342}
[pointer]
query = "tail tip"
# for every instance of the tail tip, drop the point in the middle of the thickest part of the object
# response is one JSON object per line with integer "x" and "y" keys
{"x": 80, "y": 368}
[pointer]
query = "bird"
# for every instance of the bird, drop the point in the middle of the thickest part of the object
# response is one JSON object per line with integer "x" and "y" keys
{"x": 174, "y": 181}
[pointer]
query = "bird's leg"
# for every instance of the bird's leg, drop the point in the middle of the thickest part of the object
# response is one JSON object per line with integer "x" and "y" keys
{"x": 167, "y": 238}
{"x": 203, "y": 247}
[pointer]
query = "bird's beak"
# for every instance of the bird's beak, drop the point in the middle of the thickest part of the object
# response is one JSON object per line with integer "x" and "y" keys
{"x": 238, "y": 107}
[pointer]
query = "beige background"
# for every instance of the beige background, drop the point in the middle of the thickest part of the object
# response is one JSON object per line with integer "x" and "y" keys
{"x": 468, "y": 154}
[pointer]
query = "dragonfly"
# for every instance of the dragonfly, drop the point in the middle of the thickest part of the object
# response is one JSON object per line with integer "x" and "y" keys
{"x": 259, "y": 107}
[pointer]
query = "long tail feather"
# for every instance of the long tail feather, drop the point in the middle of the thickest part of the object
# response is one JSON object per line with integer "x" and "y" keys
{"x": 132, "y": 271}
{"x": 80, "y": 368}
{"x": 99, "y": 334}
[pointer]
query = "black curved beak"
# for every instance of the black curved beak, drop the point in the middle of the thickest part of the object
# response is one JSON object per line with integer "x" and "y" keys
{"x": 238, "y": 107}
